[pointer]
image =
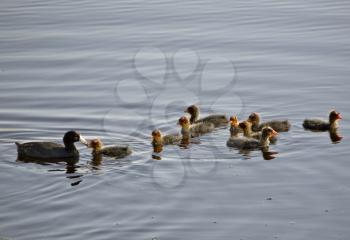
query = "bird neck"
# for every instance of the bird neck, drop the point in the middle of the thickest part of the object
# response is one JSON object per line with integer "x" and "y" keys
{"x": 95, "y": 151}
{"x": 98, "y": 148}
{"x": 234, "y": 130}
{"x": 333, "y": 124}
{"x": 247, "y": 132}
{"x": 185, "y": 130}
{"x": 194, "y": 116}
{"x": 264, "y": 141}
{"x": 255, "y": 125}
{"x": 69, "y": 146}
{"x": 157, "y": 142}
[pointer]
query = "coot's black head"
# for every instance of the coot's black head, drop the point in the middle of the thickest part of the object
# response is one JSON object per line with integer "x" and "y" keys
{"x": 71, "y": 137}
{"x": 334, "y": 116}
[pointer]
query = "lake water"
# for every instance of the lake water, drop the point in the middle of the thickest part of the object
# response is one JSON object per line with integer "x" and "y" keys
{"x": 119, "y": 69}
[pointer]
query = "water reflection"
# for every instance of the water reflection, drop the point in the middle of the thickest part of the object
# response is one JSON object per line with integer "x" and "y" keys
{"x": 335, "y": 136}
{"x": 70, "y": 167}
{"x": 68, "y": 161}
{"x": 265, "y": 153}
{"x": 184, "y": 144}
{"x": 156, "y": 156}
{"x": 71, "y": 174}
{"x": 268, "y": 155}
{"x": 157, "y": 148}
{"x": 185, "y": 141}
{"x": 96, "y": 161}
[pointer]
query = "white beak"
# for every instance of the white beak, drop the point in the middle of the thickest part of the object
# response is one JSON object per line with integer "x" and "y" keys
{"x": 83, "y": 141}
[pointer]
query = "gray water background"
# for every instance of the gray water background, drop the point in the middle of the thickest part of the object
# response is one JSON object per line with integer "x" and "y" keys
{"x": 119, "y": 69}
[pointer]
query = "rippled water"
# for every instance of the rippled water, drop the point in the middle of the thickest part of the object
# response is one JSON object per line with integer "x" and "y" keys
{"x": 119, "y": 69}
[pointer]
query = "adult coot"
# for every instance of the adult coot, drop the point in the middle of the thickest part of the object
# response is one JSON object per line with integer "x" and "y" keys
{"x": 51, "y": 150}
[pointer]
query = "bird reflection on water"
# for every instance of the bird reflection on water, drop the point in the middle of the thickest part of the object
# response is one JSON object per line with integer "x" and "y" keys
{"x": 70, "y": 166}
{"x": 265, "y": 153}
{"x": 335, "y": 136}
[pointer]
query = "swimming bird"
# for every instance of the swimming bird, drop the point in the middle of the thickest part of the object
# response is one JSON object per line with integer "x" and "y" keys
{"x": 277, "y": 125}
{"x": 247, "y": 130}
{"x": 216, "y": 119}
{"x": 116, "y": 151}
{"x": 159, "y": 139}
{"x": 246, "y": 127}
{"x": 234, "y": 128}
{"x": 320, "y": 125}
{"x": 250, "y": 143}
{"x": 51, "y": 150}
{"x": 194, "y": 130}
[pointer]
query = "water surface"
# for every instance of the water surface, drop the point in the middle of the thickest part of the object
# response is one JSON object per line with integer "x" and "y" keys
{"x": 119, "y": 69}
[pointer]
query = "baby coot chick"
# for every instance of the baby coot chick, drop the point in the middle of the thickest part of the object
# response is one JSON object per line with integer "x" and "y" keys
{"x": 247, "y": 130}
{"x": 216, "y": 119}
{"x": 159, "y": 139}
{"x": 111, "y": 151}
{"x": 250, "y": 143}
{"x": 246, "y": 127}
{"x": 320, "y": 125}
{"x": 277, "y": 125}
{"x": 51, "y": 150}
{"x": 234, "y": 129}
{"x": 194, "y": 130}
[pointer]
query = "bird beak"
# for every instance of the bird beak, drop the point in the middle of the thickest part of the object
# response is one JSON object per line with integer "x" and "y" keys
{"x": 83, "y": 141}
{"x": 186, "y": 111}
{"x": 339, "y": 116}
{"x": 274, "y": 133}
